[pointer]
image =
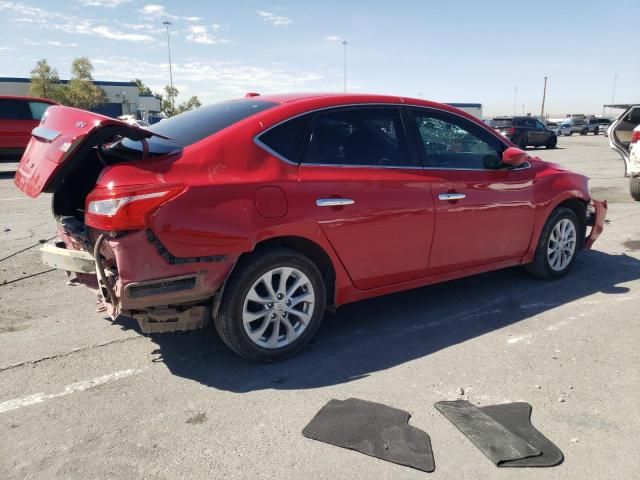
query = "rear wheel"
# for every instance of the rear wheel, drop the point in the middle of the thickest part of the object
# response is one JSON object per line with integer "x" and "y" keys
{"x": 634, "y": 188}
{"x": 273, "y": 305}
{"x": 596, "y": 131}
{"x": 552, "y": 142}
{"x": 558, "y": 245}
{"x": 584, "y": 131}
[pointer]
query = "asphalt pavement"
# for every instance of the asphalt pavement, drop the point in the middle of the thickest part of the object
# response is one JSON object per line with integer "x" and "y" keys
{"x": 83, "y": 397}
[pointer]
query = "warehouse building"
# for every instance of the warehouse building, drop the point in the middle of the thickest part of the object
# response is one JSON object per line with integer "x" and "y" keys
{"x": 123, "y": 98}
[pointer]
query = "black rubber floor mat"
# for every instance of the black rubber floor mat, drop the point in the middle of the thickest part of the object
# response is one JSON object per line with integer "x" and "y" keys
{"x": 504, "y": 433}
{"x": 373, "y": 429}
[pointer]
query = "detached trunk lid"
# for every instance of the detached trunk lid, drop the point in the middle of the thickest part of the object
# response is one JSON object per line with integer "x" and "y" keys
{"x": 61, "y": 138}
{"x": 620, "y": 133}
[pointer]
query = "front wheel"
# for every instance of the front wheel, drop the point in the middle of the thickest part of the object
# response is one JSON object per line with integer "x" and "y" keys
{"x": 634, "y": 188}
{"x": 596, "y": 131}
{"x": 552, "y": 142}
{"x": 272, "y": 305}
{"x": 558, "y": 245}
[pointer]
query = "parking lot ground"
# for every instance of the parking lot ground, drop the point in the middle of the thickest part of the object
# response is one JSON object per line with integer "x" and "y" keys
{"x": 82, "y": 397}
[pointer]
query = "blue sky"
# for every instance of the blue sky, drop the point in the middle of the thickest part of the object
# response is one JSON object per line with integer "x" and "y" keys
{"x": 460, "y": 51}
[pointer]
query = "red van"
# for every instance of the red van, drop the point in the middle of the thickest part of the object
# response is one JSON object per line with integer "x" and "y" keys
{"x": 18, "y": 116}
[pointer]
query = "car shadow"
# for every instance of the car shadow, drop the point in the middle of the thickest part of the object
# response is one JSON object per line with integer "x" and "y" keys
{"x": 381, "y": 333}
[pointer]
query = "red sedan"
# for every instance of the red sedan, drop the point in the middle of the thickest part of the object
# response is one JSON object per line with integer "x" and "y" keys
{"x": 260, "y": 213}
{"x": 18, "y": 116}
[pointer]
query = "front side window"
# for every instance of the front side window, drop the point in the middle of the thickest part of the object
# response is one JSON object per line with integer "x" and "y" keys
{"x": 539, "y": 125}
{"x": 360, "y": 136}
{"x": 452, "y": 142}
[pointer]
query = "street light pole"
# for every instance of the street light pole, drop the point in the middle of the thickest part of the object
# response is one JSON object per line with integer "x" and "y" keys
{"x": 544, "y": 97}
{"x": 344, "y": 44}
{"x": 515, "y": 98}
{"x": 613, "y": 92}
{"x": 167, "y": 24}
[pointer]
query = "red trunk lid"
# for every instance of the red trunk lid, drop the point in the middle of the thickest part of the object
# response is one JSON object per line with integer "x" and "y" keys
{"x": 60, "y": 135}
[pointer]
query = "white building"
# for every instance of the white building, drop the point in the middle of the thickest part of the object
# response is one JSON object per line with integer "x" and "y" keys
{"x": 123, "y": 98}
{"x": 474, "y": 109}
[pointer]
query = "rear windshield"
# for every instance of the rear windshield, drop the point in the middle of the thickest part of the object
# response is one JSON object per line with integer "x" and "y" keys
{"x": 191, "y": 127}
{"x": 502, "y": 122}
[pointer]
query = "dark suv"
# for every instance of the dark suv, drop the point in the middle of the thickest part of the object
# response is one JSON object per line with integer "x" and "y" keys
{"x": 525, "y": 131}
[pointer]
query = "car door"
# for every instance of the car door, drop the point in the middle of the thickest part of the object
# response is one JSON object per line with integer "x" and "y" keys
{"x": 16, "y": 123}
{"x": 484, "y": 213}
{"x": 541, "y": 132}
{"x": 371, "y": 198}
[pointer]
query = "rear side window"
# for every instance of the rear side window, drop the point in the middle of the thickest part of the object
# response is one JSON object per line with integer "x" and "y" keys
{"x": 191, "y": 127}
{"x": 287, "y": 139}
{"x": 14, "y": 110}
{"x": 362, "y": 136}
{"x": 38, "y": 109}
{"x": 502, "y": 122}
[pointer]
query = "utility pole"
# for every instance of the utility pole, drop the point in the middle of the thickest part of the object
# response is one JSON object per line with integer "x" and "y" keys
{"x": 613, "y": 93}
{"x": 167, "y": 24}
{"x": 344, "y": 44}
{"x": 544, "y": 97}
{"x": 515, "y": 98}
{"x": 523, "y": 109}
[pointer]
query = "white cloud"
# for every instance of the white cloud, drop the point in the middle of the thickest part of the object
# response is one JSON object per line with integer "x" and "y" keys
{"x": 154, "y": 11}
{"x": 212, "y": 80}
{"x": 53, "y": 20}
{"x": 52, "y": 43}
{"x": 276, "y": 20}
{"x": 200, "y": 34}
{"x": 103, "y": 3}
{"x": 332, "y": 38}
{"x": 7, "y": 49}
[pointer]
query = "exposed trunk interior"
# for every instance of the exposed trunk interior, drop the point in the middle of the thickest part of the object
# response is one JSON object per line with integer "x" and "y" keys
{"x": 624, "y": 128}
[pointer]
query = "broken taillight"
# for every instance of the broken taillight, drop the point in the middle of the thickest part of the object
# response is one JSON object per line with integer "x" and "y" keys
{"x": 126, "y": 208}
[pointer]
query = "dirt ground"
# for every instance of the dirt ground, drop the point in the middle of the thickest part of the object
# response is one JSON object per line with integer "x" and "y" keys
{"x": 82, "y": 397}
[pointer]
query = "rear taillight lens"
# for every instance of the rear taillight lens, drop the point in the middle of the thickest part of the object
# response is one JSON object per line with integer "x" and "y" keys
{"x": 126, "y": 208}
{"x": 511, "y": 131}
{"x": 635, "y": 136}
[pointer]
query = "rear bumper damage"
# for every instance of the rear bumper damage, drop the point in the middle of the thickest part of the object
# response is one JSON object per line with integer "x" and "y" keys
{"x": 136, "y": 278}
{"x": 596, "y": 215}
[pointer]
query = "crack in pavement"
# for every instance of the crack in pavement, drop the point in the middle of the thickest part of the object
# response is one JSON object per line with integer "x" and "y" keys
{"x": 4, "y": 368}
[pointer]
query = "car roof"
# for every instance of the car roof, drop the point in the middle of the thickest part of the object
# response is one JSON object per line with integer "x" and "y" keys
{"x": 29, "y": 99}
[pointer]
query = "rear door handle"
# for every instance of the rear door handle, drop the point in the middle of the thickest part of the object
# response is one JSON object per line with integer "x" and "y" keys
{"x": 451, "y": 196}
{"x": 334, "y": 202}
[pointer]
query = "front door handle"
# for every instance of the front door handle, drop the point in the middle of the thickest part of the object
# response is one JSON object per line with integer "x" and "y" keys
{"x": 451, "y": 196}
{"x": 334, "y": 202}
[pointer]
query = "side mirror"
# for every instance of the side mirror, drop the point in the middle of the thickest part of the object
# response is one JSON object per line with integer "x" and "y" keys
{"x": 514, "y": 157}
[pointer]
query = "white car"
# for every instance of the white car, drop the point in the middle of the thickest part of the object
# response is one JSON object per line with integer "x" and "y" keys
{"x": 624, "y": 138}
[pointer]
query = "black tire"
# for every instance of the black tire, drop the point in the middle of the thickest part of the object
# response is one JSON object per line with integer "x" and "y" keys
{"x": 634, "y": 188}
{"x": 596, "y": 131}
{"x": 523, "y": 142}
{"x": 584, "y": 131}
{"x": 229, "y": 320}
{"x": 552, "y": 142}
{"x": 540, "y": 267}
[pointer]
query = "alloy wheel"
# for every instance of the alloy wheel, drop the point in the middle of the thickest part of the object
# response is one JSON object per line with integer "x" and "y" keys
{"x": 278, "y": 307}
{"x": 562, "y": 245}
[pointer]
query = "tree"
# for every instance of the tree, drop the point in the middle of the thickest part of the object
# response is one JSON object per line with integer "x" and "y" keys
{"x": 45, "y": 82}
{"x": 168, "y": 101}
{"x": 142, "y": 88}
{"x": 190, "y": 104}
{"x": 81, "y": 92}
